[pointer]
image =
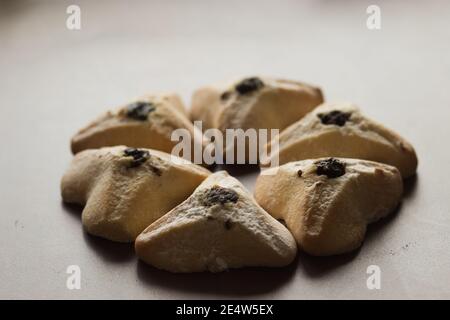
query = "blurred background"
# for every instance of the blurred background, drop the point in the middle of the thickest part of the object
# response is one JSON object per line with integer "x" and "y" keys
{"x": 54, "y": 80}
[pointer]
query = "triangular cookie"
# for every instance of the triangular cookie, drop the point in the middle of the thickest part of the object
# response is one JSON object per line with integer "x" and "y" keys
{"x": 254, "y": 102}
{"x": 219, "y": 226}
{"x": 126, "y": 189}
{"x": 145, "y": 123}
{"x": 341, "y": 130}
{"x": 327, "y": 203}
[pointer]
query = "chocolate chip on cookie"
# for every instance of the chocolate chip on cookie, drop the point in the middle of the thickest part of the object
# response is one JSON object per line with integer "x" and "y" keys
{"x": 139, "y": 156}
{"x": 332, "y": 168}
{"x": 334, "y": 117}
{"x": 249, "y": 85}
{"x": 220, "y": 195}
{"x": 139, "y": 110}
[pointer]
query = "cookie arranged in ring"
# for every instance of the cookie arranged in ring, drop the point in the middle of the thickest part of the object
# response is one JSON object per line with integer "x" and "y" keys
{"x": 327, "y": 203}
{"x": 220, "y": 226}
{"x": 123, "y": 190}
{"x": 254, "y": 102}
{"x": 341, "y": 130}
{"x": 145, "y": 123}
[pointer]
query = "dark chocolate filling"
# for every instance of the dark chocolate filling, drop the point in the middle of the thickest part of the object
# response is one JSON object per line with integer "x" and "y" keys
{"x": 249, "y": 85}
{"x": 139, "y": 156}
{"x": 332, "y": 168}
{"x": 139, "y": 110}
{"x": 334, "y": 117}
{"x": 220, "y": 195}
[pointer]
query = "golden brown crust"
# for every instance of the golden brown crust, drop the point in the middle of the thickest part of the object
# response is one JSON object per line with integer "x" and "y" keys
{"x": 329, "y": 215}
{"x": 219, "y": 226}
{"x": 275, "y": 105}
{"x": 117, "y": 128}
{"x": 359, "y": 138}
{"x": 123, "y": 195}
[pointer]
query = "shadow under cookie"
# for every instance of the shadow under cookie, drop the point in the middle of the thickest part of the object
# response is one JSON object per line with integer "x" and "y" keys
{"x": 410, "y": 186}
{"x": 72, "y": 209}
{"x": 234, "y": 282}
{"x": 315, "y": 267}
{"x": 115, "y": 252}
{"x": 320, "y": 266}
{"x": 238, "y": 170}
{"x": 110, "y": 251}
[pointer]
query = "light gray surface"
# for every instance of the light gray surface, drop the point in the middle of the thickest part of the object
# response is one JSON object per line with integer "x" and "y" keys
{"x": 53, "y": 81}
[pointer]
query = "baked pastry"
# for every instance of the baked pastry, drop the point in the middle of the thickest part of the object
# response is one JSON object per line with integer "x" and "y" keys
{"x": 341, "y": 130}
{"x": 145, "y": 123}
{"x": 327, "y": 203}
{"x": 254, "y": 103}
{"x": 219, "y": 226}
{"x": 173, "y": 98}
{"x": 126, "y": 189}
